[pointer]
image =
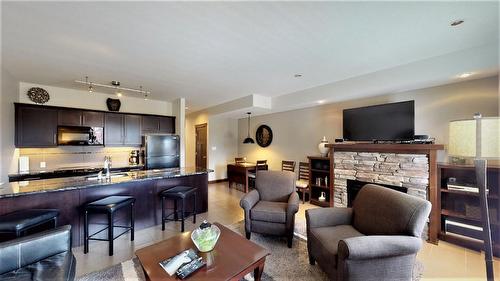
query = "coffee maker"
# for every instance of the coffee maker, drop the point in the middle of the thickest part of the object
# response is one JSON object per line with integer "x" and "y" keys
{"x": 134, "y": 157}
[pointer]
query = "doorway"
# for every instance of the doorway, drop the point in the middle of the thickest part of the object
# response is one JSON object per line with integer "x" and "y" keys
{"x": 201, "y": 145}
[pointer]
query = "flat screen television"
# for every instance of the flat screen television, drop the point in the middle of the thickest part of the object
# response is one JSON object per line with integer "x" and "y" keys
{"x": 384, "y": 122}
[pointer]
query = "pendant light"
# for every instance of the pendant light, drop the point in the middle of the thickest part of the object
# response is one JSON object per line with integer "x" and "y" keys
{"x": 248, "y": 139}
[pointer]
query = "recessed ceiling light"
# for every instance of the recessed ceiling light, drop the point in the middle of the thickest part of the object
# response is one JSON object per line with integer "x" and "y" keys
{"x": 465, "y": 75}
{"x": 119, "y": 94}
{"x": 321, "y": 101}
{"x": 298, "y": 75}
{"x": 456, "y": 22}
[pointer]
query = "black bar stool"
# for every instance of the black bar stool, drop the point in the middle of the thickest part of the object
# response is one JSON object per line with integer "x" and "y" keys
{"x": 178, "y": 193}
{"x": 19, "y": 222}
{"x": 108, "y": 205}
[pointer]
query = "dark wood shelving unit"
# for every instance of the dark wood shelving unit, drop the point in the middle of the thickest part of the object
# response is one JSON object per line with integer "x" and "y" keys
{"x": 320, "y": 167}
{"x": 456, "y": 205}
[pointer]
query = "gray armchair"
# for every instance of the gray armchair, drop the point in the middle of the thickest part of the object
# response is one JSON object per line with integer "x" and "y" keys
{"x": 271, "y": 207}
{"x": 377, "y": 239}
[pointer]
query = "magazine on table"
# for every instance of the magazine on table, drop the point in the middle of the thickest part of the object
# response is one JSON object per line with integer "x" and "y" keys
{"x": 183, "y": 264}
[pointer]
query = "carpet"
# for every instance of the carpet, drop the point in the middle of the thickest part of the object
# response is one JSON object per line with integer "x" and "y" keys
{"x": 282, "y": 264}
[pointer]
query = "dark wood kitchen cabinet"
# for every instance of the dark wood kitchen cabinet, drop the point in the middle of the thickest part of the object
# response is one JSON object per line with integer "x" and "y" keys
{"x": 122, "y": 129}
{"x": 113, "y": 129}
{"x": 92, "y": 119}
{"x": 132, "y": 130}
{"x": 35, "y": 126}
{"x": 150, "y": 124}
{"x": 72, "y": 117}
{"x": 167, "y": 125}
{"x": 158, "y": 124}
{"x": 69, "y": 117}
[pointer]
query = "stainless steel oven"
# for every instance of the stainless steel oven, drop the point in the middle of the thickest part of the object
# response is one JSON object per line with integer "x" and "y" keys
{"x": 76, "y": 135}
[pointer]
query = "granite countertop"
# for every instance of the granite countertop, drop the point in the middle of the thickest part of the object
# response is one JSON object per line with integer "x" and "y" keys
{"x": 95, "y": 168}
{"x": 13, "y": 189}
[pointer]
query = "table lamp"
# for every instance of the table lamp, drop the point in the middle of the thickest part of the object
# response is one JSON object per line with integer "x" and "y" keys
{"x": 478, "y": 138}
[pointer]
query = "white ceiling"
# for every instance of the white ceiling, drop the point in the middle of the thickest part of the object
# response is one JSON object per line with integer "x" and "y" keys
{"x": 214, "y": 52}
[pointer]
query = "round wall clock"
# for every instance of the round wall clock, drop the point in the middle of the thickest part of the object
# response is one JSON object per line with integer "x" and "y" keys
{"x": 264, "y": 136}
{"x": 38, "y": 95}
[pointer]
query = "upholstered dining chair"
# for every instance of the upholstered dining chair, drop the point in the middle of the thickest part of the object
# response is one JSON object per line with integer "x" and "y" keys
{"x": 288, "y": 166}
{"x": 270, "y": 208}
{"x": 377, "y": 239}
{"x": 302, "y": 182}
{"x": 260, "y": 165}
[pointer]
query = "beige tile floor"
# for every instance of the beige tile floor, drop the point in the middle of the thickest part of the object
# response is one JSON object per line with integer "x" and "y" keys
{"x": 442, "y": 262}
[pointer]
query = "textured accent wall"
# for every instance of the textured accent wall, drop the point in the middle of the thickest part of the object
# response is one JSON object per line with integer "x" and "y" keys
{"x": 406, "y": 170}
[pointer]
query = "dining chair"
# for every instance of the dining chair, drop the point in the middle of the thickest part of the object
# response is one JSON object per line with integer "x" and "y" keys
{"x": 288, "y": 166}
{"x": 260, "y": 165}
{"x": 240, "y": 160}
{"x": 302, "y": 182}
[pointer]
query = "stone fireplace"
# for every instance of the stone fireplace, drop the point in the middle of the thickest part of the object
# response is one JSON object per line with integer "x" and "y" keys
{"x": 410, "y": 171}
{"x": 411, "y": 167}
{"x": 404, "y": 172}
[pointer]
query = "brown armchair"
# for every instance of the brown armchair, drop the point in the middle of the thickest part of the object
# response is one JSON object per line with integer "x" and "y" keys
{"x": 271, "y": 207}
{"x": 377, "y": 239}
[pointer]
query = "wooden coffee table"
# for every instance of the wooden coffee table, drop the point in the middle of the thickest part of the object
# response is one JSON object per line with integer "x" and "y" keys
{"x": 232, "y": 258}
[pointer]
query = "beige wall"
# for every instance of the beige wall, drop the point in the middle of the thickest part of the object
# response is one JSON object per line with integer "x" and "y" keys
{"x": 83, "y": 99}
{"x": 8, "y": 95}
{"x": 298, "y": 132}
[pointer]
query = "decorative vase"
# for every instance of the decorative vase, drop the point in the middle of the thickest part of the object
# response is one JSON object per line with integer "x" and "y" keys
{"x": 322, "y": 197}
{"x": 113, "y": 104}
{"x": 205, "y": 237}
{"x": 322, "y": 148}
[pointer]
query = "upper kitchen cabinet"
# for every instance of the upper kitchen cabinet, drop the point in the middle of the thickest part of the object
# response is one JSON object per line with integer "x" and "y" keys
{"x": 113, "y": 129}
{"x": 167, "y": 125}
{"x": 132, "y": 130}
{"x": 93, "y": 119}
{"x": 74, "y": 117}
{"x": 158, "y": 124}
{"x": 35, "y": 126}
{"x": 122, "y": 129}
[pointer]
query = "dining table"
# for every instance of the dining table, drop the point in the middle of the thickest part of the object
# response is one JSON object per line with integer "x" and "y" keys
{"x": 238, "y": 173}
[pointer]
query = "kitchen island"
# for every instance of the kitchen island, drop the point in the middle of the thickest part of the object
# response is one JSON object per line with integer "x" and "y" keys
{"x": 71, "y": 193}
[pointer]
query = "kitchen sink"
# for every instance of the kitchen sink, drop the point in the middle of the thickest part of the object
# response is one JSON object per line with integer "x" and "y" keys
{"x": 113, "y": 176}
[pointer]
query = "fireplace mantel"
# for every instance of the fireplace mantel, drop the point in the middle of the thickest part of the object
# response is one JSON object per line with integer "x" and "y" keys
{"x": 426, "y": 154}
{"x": 388, "y": 148}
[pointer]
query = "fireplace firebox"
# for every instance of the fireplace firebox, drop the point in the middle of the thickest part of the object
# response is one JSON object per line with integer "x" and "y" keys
{"x": 354, "y": 186}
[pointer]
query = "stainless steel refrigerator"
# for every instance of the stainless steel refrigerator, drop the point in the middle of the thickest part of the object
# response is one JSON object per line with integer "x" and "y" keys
{"x": 161, "y": 151}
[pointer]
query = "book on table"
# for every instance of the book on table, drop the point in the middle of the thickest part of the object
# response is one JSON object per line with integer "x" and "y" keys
{"x": 183, "y": 264}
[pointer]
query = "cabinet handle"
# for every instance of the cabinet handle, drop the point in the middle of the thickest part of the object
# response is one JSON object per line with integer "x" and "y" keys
{"x": 83, "y": 119}
{"x": 55, "y": 138}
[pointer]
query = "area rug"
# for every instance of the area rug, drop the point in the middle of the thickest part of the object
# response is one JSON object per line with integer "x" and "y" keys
{"x": 282, "y": 264}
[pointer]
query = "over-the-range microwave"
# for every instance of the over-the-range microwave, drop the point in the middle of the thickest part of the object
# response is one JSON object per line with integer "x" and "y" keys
{"x": 77, "y": 135}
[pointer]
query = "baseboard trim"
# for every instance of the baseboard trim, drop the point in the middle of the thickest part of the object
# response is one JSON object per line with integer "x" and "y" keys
{"x": 217, "y": 181}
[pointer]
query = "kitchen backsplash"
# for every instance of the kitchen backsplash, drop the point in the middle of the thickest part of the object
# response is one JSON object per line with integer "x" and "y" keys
{"x": 75, "y": 156}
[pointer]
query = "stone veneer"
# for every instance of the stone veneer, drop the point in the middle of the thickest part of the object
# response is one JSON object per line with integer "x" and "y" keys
{"x": 407, "y": 170}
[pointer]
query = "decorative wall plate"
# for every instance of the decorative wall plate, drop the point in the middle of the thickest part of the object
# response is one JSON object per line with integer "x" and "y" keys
{"x": 38, "y": 95}
{"x": 264, "y": 136}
